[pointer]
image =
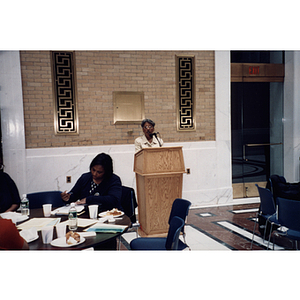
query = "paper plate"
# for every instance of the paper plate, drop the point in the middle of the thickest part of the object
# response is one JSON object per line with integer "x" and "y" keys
{"x": 61, "y": 242}
{"x": 105, "y": 214}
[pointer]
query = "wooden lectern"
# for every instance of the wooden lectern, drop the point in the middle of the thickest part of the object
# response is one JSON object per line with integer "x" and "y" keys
{"x": 159, "y": 174}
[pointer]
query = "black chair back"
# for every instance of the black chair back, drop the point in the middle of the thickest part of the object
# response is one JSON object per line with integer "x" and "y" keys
{"x": 176, "y": 225}
{"x": 267, "y": 205}
{"x": 128, "y": 202}
{"x": 180, "y": 208}
{"x": 36, "y": 200}
{"x": 288, "y": 213}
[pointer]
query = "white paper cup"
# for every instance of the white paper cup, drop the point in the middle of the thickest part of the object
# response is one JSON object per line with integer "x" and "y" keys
{"x": 47, "y": 209}
{"x": 47, "y": 234}
{"x": 61, "y": 230}
{"x": 93, "y": 210}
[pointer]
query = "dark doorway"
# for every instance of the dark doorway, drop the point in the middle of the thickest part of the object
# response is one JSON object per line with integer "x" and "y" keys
{"x": 256, "y": 127}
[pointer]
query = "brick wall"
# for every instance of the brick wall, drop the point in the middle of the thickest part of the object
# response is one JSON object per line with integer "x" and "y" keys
{"x": 99, "y": 73}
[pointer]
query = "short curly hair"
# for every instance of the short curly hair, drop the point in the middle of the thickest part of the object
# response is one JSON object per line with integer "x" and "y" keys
{"x": 147, "y": 121}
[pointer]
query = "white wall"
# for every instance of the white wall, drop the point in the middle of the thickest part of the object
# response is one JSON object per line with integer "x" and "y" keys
{"x": 46, "y": 168}
{"x": 12, "y": 117}
{"x": 291, "y": 116}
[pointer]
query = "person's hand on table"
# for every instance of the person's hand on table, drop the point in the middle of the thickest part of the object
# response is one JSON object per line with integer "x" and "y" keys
{"x": 82, "y": 201}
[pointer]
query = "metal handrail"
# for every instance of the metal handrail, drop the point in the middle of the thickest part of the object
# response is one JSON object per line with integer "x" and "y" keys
{"x": 255, "y": 145}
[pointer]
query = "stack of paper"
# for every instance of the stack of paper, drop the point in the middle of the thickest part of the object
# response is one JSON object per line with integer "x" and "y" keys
{"x": 82, "y": 222}
{"x": 39, "y": 223}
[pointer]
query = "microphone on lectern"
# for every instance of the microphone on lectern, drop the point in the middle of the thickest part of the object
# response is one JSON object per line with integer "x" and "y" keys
{"x": 155, "y": 134}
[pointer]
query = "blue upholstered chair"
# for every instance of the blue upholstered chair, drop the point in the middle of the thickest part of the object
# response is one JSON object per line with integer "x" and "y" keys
{"x": 288, "y": 217}
{"x": 160, "y": 243}
{"x": 36, "y": 200}
{"x": 180, "y": 208}
{"x": 267, "y": 212}
{"x": 129, "y": 204}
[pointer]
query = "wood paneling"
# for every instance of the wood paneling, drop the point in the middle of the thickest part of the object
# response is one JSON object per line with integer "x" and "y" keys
{"x": 159, "y": 161}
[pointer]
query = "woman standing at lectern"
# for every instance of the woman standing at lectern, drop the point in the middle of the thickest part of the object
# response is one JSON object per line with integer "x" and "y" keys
{"x": 149, "y": 138}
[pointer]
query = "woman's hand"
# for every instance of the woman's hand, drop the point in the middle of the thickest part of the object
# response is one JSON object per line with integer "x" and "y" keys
{"x": 65, "y": 196}
{"x": 13, "y": 208}
{"x": 82, "y": 201}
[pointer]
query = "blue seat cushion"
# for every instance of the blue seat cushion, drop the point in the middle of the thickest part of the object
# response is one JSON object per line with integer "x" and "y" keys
{"x": 151, "y": 243}
{"x": 270, "y": 218}
{"x": 293, "y": 234}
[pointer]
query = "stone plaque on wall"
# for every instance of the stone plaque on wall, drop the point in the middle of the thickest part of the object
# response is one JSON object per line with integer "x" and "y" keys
{"x": 128, "y": 107}
{"x": 64, "y": 82}
{"x": 185, "y": 93}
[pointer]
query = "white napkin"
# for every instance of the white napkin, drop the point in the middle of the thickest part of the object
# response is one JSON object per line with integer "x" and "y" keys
{"x": 109, "y": 219}
{"x": 29, "y": 234}
{"x": 86, "y": 222}
{"x": 102, "y": 220}
{"x": 86, "y": 234}
{"x": 14, "y": 216}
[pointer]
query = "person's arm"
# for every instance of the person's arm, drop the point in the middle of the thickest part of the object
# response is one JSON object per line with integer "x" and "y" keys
{"x": 14, "y": 192}
{"x": 25, "y": 246}
{"x": 75, "y": 192}
{"x": 10, "y": 236}
{"x": 137, "y": 144}
{"x": 161, "y": 142}
{"x": 14, "y": 207}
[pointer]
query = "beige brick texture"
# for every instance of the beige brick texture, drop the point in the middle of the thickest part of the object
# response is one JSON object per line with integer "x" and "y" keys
{"x": 98, "y": 75}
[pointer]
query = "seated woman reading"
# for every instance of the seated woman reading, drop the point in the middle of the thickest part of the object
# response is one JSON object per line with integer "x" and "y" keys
{"x": 99, "y": 186}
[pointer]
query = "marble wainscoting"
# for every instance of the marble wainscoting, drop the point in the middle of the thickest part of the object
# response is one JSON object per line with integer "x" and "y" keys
{"x": 209, "y": 181}
{"x": 47, "y": 169}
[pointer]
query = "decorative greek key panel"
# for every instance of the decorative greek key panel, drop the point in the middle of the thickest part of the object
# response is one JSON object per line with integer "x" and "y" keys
{"x": 185, "y": 93}
{"x": 65, "y": 115}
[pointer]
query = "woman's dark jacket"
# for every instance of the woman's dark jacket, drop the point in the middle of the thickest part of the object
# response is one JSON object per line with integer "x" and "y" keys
{"x": 107, "y": 194}
{"x": 9, "y": 193}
